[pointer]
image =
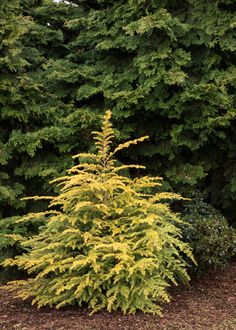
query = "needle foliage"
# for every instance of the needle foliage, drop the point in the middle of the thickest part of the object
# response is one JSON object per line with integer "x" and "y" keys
{"x": 107, "y": 241}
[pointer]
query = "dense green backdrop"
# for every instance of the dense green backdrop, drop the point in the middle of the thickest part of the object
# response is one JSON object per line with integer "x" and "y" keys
{"x": 166, "y": 68}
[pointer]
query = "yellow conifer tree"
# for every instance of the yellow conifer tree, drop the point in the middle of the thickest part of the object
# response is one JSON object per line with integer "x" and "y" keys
{"x": 106, "y": 241}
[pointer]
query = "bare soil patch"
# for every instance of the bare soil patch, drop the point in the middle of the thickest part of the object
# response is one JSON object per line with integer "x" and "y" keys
{"x": 209, "y": 303}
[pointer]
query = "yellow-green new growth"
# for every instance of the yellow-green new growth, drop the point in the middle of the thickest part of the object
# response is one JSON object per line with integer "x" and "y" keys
{"x": 106, "y": 241}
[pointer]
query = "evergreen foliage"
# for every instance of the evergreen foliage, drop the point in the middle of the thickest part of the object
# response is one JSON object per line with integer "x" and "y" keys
{"x": 211, "y": 238}
{"x": 36, "y": 133}
{"x": 32, "y": 138}
{"x": 167, "y": 68}
{"x": 12, "y": 235}
{"x": 12, "y": 63}
{"x": 30, "y": 129}
{"x": 106, "y": 242}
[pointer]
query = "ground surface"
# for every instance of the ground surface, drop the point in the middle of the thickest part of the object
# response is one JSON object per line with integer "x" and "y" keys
{"x": 207, "y": 304}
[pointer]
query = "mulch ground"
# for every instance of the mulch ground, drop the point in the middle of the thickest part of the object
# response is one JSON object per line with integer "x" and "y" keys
{"x": 209, "y": 303}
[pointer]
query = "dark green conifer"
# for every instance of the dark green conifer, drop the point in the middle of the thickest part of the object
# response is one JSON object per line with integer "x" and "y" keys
{"x": 167, "y": 68}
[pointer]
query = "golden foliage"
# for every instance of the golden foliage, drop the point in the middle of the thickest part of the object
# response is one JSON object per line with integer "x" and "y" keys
{"x": 106, "y": 242}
